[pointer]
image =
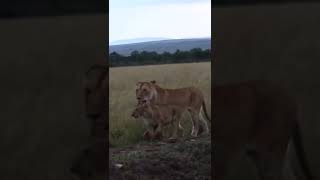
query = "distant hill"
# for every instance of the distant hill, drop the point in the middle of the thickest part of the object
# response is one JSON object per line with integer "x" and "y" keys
{"x": 138, "y": 40}
{"x": 162, "y": 46}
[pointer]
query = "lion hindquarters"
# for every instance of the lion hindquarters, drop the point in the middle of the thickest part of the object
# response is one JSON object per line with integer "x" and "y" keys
{"x": 196, "y": 108}
{"x": 199, "y": 122}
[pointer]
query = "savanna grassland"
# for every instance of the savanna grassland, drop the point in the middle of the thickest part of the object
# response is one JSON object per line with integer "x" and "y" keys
{"x": 124, "y": 129}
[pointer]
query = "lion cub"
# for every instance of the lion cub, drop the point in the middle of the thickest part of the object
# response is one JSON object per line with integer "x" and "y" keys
{"x": 157, "y": 116}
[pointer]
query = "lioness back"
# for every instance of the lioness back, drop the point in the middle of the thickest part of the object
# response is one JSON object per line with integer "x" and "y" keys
{"x": 181, "y": 96}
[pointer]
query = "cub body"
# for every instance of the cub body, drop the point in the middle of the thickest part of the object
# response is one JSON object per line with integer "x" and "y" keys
{"x": 158, "y": 116}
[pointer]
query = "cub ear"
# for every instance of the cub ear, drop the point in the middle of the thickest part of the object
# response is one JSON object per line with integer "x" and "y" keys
{"x": 153, "y": 81}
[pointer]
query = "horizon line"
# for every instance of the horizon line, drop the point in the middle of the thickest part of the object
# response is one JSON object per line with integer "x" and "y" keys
{"x": 164, "y": 39}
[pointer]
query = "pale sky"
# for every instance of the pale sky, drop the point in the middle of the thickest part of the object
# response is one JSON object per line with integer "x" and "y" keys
{"x": 130, "y": 19}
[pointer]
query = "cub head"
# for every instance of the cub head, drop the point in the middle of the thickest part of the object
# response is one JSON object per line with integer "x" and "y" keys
{"x": 145, "y": 91}
{"x": 141, "y": 110}
{"x": 95, "y": 91}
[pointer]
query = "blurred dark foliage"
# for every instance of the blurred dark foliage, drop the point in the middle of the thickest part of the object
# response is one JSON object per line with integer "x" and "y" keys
{"x": 25, "y": 8}
{"x": 147, "y": 58}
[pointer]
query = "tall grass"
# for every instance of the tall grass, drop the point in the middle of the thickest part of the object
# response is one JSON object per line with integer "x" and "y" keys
{"x": 124, "y": 129}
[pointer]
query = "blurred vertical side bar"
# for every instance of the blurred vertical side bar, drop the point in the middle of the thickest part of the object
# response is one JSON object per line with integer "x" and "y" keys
{"x": 46, "y": 47}
{"x": 275, "y": 42}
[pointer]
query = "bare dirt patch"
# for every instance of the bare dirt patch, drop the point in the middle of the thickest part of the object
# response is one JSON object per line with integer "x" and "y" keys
{"x": 187, "y": 159}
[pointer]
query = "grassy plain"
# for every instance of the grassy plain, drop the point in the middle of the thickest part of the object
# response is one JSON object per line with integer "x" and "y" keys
{"x": 125, "y": 130}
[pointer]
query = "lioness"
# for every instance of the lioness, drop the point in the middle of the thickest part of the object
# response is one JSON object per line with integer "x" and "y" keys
{"x": 158, "y": 116}
{"x": 259, "y": 118}
{"x": 189, "y": 98}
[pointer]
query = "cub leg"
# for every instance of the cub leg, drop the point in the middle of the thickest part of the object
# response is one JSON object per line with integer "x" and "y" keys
{"x": 147, "y": 135}
{"x": 158, "y": 132}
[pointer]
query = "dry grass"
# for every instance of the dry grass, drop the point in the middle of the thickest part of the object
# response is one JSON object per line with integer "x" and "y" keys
{"x": 124, "y": 129}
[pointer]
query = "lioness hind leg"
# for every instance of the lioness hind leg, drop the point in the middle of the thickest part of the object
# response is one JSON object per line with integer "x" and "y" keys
{"x": 196, "y": 123}
{"x": 204, "y": 125}
{"x": 192, "y": 121}
{"x": 177, "y": 128}
{"x": 180, "y": 131}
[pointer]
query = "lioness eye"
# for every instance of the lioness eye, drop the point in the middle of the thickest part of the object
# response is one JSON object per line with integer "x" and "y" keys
{"x": 144, "y": 89}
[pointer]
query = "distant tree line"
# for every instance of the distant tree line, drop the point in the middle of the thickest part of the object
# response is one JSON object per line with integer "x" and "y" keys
{"x": 145, "y": 57}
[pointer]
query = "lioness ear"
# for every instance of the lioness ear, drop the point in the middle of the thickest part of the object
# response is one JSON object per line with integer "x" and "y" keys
{"x": 153, "y": 82}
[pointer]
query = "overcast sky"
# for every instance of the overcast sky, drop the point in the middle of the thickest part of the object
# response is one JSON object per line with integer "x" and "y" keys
{"x": 130, "y": 19}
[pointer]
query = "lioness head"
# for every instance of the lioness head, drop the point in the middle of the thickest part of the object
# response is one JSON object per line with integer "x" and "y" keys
{"x": 145, "y": 91}
{"x": 95, "y": 86}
